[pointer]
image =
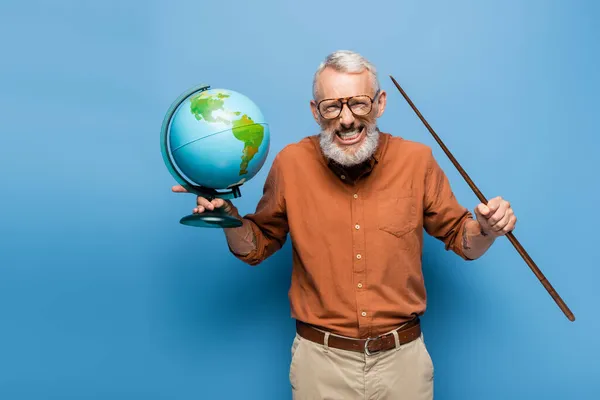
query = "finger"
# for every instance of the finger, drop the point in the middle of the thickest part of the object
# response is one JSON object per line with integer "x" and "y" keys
{"x": 201, "y": 201}
{"x": 179, "y": 189}
{"x": 481, "y": 212}
{"x": 198, "y": 210}
{"x": 218, "y": 202}
{"x": 498, "y": 215}
{"x": 498, "y": 226}
{"x": 512, "y": 223}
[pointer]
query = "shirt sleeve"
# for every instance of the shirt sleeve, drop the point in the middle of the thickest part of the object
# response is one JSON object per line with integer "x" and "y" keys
{"x": 269, "y": 221}
{"x": 444, "y": 217}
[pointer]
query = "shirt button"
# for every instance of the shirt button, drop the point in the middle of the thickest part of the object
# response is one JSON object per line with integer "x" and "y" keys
{"x": 359, "y": 285}
{"x": 357, "y": 226}
{"x": 358, "y": 256}
{"x": 364, "y": 314}
{"x": 355, "y": 196}
{"x": 343, "y": 176}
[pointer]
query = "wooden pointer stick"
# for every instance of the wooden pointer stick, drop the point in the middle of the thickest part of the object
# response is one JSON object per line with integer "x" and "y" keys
{"x": 482, "y": 199}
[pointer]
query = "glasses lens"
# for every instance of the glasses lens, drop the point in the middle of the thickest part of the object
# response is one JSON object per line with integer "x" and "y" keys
{"x": 360, "y": 105}
{"x": 330, "y": 108}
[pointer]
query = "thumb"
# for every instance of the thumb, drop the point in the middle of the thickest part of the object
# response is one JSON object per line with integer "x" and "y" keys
{"x": 178, "y": 189}
{"x": 483, "y": 210}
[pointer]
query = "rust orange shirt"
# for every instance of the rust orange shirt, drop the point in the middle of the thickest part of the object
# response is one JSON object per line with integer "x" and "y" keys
{"x": 357, "y": 241}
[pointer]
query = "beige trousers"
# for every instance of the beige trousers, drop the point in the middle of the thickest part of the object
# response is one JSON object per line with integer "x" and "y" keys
{"x": 319, "y": 372}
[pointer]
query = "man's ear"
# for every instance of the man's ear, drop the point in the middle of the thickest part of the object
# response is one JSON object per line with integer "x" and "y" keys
{"x": 381, "y": 102}
{"x": 313, "y": 109}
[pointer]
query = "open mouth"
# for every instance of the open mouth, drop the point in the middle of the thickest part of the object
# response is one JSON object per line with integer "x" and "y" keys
{"x": 350, "y": 137}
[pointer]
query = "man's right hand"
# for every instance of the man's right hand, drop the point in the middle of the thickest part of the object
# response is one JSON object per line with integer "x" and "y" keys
{"x": 241, "y": 240}
{"x": 203, "y": 203}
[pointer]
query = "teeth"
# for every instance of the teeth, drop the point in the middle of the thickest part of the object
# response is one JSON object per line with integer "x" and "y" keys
{"x": 348, "y": 134}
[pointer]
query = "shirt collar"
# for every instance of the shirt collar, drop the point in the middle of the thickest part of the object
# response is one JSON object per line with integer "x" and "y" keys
{"x": 353, "y": 174}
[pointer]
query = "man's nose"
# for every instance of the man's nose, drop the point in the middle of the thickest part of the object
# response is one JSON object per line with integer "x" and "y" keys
{"x": 346, "y": 117}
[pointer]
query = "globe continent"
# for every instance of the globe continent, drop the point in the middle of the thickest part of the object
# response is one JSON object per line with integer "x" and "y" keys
{"x": 219, "y": 138}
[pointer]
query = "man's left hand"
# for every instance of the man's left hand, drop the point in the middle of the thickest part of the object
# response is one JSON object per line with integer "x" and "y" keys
{"x": 496, "y": 218}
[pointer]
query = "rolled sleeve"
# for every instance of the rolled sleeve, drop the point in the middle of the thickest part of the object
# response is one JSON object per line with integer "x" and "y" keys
{"x": 269, "y": 221}
{"x": 444, "y": 217}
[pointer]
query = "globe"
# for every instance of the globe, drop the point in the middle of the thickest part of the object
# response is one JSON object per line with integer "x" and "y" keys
{"x": 212, "y": 142}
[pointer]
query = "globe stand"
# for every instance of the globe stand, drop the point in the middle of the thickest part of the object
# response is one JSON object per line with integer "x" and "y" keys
{"x": 216, "y": 218}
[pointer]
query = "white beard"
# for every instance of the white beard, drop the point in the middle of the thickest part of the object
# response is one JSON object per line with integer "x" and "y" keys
{"x": 351, "y": 155}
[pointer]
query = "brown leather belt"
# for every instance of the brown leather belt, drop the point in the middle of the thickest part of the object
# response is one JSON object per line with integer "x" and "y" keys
{"x": 406, "y": 333}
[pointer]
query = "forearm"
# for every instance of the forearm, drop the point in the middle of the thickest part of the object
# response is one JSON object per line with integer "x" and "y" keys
{"x": 264, "y": 231}
{"x": 241, "y": 240}
{"x": 475, "y": 242}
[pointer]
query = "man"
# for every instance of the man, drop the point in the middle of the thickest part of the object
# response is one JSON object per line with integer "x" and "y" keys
{"x": 355, "y": 202}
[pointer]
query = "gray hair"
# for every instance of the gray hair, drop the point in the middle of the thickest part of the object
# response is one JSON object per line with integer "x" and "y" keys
{"x": 346, "y": 61}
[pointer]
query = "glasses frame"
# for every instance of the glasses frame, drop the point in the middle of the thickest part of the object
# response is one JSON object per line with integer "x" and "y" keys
{"x": 344, "y": 101}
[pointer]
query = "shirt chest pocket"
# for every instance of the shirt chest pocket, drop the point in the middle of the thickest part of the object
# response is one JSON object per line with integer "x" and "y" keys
{"x": 397, "y": 212}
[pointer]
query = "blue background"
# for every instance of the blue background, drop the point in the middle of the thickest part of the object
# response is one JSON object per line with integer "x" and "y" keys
{"x": 103, "y": 295}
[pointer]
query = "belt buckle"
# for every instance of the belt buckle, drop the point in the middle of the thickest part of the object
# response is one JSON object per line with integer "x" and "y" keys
{"x": 367, "y": 351}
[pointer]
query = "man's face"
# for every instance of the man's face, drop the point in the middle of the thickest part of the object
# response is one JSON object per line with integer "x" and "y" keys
{"x": 348, "y": 139}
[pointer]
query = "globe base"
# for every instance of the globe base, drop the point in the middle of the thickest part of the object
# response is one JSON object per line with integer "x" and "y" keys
{"x": 216, "y": 218}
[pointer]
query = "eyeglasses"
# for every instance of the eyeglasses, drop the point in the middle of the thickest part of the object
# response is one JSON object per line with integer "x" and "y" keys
{"x": 359, "y": 105}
